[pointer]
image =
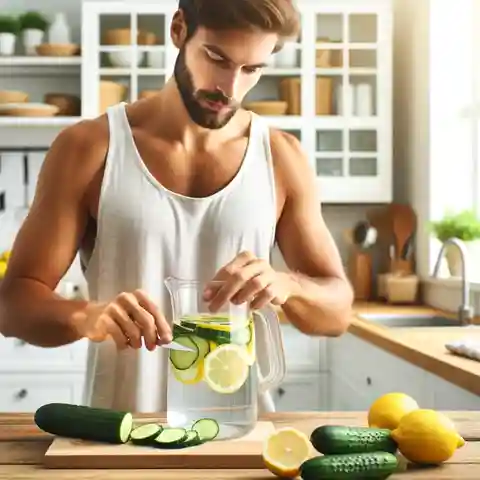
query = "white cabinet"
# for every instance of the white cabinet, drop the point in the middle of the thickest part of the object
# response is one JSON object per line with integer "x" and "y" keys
{"x": 447, "y": 396}
{"x": 361, "y": 367}
{"x": 336, "y": 85}
{"x": 25, "y": 392}
{"x": 302, "y": 352}
{"x": 302, "y": 392}
{"x": 32, "y": 376}
{"x": 360, "y": 372}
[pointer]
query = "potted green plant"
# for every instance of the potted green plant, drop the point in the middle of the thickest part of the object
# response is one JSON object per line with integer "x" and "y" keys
{"x": 9, "y": 28}
{"x": 465, "y": 226}
{"x": 33, "y": 26}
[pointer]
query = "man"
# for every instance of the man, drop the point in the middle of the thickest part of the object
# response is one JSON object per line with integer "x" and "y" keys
{"x": 184, "y": 184}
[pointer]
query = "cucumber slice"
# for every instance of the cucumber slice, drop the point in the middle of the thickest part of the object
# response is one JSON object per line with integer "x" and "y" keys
{"x": 203, "y": 346}
{"x": 144, "y": 434}
{"x": 207, "y": 429}
{"x": 182, "y": 360}
{"x": 85, "y": 423}
{"x": 171, "y": 437}
{"x": 179, "y": 330}
{"x": 192, "y": 439}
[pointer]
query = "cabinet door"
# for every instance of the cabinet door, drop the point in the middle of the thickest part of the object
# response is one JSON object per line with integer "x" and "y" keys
{"x": 126, "y": 52}
{"x": 351, "y": 59}
{"x": 302, "y": 352}
{"x": 302, "y": 393}
{"x": 448, "y": 396}
{"x": 344, "y": 397}
{"x": 374, "y": 372}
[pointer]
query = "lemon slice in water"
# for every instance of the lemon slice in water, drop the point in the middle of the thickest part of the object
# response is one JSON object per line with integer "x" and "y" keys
{"x": 226, "y": 368}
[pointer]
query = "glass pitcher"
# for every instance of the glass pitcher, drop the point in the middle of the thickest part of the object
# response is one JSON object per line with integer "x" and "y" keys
{"x": 219, "y": 377}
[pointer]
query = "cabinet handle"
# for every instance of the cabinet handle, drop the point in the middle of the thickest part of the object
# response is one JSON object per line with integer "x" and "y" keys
{"x": 281, "y": 392}
{"x": 22, "y": 393}
{"x": 369, "y": 381}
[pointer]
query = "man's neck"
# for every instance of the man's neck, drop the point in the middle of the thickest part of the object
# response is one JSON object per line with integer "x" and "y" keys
{"x": 180, "y": 126}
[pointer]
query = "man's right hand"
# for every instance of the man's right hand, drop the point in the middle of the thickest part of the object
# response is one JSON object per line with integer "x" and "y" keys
{"x": 130, "y": 317}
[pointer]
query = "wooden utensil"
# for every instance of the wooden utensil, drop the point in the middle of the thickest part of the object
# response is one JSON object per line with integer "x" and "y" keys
{"x": 241, "y": 453}
{"x": 404, "y": 223}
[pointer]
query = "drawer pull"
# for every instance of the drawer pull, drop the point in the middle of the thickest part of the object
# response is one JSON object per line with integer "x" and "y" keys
{"x": 22, "y": 393}
{"x": 369, "y": 381}
{"x": 281, "y": 392}
{"x": 21, "y": 343}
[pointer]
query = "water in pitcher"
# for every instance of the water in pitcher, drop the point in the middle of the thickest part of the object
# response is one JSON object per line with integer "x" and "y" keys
{"x": 218, "y": 377}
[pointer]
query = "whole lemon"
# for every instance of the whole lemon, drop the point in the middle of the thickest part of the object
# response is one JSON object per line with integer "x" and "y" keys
{"x": 387, "y": 410}
{"x": 427, "y": 437}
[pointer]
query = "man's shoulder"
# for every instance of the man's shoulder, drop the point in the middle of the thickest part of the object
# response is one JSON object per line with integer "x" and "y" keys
{"x": 78, "y": 152}
{"x": 87, "y": 134}
{"x": 290, "y": 160}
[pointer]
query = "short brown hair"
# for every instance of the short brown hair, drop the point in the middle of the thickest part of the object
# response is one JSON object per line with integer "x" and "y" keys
{"x": 273, "y": 16}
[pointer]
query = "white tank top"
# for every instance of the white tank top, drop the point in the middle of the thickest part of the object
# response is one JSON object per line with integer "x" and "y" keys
{"x": 146, "y": 233}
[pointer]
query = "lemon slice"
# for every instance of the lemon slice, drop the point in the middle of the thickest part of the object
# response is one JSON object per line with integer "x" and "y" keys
{"x": 226, "y": 368}
{"x": 285, "y": 450}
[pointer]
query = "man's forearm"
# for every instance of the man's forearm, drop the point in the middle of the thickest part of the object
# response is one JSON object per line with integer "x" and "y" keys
{"x": 319, "y": 306}
{"x": 31, "y": 312}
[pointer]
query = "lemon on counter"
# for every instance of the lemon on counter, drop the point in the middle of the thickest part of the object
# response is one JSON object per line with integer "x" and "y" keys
{"x": 388, "y": 410}
{"x": 285, "y": 450}
{"x": 427, "y": 437}
{"x": 6, "y": 255}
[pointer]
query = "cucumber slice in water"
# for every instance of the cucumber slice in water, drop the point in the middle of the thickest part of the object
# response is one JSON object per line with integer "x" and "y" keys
{"x": 207, "y": 429}
{"x": 171, "y": 437}
{"x": 145, "y": 433}
{"x": 203, "y": 346}
{"x": 181, "y": 359}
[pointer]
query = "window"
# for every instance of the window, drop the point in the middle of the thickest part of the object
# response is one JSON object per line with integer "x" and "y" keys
{"x": 453, "y": 136}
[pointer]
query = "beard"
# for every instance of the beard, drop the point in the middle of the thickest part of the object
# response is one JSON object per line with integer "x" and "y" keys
{"x": 192, "y": 97}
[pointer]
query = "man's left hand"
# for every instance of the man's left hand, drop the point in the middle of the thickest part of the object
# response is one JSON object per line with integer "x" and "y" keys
{"x": 248, "y": 279}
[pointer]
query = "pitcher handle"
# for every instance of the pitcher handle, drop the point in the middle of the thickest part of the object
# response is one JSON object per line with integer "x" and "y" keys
{"x": 275, "y": 351}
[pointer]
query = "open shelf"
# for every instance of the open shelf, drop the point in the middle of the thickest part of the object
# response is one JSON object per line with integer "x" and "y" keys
{"x": 10, "y": 121}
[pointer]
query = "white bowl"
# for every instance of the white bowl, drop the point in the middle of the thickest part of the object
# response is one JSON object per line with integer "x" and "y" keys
{"x": 123, "y": 58}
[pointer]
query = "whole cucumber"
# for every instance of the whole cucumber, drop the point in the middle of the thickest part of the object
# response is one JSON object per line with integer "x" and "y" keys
{"x": 338, "y": 439}
{"x": 353, "y": 466}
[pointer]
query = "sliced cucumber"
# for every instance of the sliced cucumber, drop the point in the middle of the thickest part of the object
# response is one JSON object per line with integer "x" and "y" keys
{"x": 192, "y": 439}
{"x": 181, "y": 359}
{"x": 179, "y": 330}
{"x": 86, "y": 423}
{"x": 144, "y": 434}
{"x": 171, "y": 438}
{"x": 203, "y": 346}
{"x": 207, "y": 429}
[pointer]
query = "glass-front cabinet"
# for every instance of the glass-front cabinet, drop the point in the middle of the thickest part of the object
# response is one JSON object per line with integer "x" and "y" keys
{"x": 127, "y": 52}
{"x": 352, "y": 58}
{"x": 330, "y": 87}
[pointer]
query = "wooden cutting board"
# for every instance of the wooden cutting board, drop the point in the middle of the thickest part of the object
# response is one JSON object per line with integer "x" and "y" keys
{"x": 241, "y": 453}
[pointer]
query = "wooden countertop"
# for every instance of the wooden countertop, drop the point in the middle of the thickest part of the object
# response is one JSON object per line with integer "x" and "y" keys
{"x": 22, "y": 446}
{"x": 423, "y": 347}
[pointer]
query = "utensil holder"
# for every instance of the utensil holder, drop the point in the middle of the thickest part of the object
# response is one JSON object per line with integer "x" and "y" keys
{"x": 399, "y": 288}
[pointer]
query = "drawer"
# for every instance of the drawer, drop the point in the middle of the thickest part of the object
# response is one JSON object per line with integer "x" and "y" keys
{"x": 17, "y": 355}
{"x": 303, "y": 353}
{"x": 27, "y": 392}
